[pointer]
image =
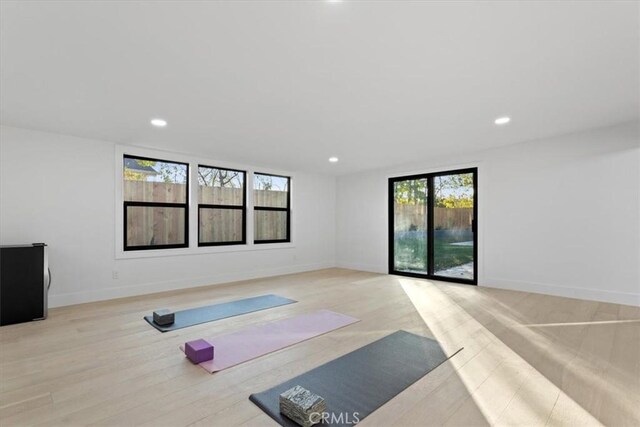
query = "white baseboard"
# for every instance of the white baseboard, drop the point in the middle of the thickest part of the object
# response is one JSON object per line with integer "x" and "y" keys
{"x": 565, "y": 291}
{"x": 60, "y": 300}
{"x": 372, "y": 268}
{"x": 540, "y": 288}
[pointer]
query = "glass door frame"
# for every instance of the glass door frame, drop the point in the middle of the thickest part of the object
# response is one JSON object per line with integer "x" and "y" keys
{"x": 430, "y": 225}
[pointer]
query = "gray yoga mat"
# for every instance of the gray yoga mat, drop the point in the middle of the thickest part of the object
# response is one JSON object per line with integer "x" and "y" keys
{"x": 363, "y": 380}
{"x": 195, "y": 316}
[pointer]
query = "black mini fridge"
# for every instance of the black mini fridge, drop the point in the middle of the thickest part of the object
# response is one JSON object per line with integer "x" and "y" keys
{"x": 24, "y": 283}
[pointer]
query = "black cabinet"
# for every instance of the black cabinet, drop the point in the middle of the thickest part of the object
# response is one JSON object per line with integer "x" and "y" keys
{"x": 24, "y": 282}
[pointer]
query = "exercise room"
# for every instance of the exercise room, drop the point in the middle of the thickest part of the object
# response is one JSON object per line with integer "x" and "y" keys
{"x": 319, "y": 213}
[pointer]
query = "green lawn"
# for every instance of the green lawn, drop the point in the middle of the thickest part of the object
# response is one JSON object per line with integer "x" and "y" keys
{"x": 411, "y": 254}
{"x": 447, "y": 255}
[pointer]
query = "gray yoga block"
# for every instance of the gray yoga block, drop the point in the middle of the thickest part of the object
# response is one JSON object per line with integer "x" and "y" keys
{"x": 163, "y": 317}
{"x": 302, "y": 406}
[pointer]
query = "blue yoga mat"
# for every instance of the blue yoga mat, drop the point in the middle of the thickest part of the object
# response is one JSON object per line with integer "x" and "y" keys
{"x": 209, "y": 313}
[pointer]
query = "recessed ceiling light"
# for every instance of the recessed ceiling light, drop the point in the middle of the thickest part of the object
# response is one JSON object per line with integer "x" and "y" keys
{"x": 333, "y": 159}
{"x": 502, "y": 120}
{"x": 159, "y": 122}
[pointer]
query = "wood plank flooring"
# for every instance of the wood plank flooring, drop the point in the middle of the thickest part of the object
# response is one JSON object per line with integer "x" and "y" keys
{"x": 528, "y": 359}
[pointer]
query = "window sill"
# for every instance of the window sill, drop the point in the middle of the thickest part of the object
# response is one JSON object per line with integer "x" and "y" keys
{"x": 201, "y": 250}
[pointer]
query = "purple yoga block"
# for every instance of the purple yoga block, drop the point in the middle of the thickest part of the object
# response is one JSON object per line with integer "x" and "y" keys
{"x": 198, "y": 351}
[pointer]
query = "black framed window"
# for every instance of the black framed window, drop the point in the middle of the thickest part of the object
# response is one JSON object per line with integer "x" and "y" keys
{"x": 433, "y": 225}
{"x": 221, "y": 206}
{"x": 156, "y": 207}
{"x": 272, "y": 208}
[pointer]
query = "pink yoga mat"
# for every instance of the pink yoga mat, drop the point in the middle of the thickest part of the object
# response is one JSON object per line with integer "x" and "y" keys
{"x": 238, "y": 347}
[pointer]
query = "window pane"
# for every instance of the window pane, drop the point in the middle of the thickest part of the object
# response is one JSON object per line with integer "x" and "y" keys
{"x": 151, "y": 226}
{"x": 220, "y": 225}
{"x": 220, "y": 186}
{"x": 270, "y": 191}
{"x": 270, "y": 225}
{"x": 452, "y": 223}
{"x": 410, "y": 226}
{"x": 154, "y": 181}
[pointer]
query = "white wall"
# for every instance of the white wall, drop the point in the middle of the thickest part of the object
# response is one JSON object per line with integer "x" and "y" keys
{"x": 60, "y": 190}
{"x": 558, "y": 216}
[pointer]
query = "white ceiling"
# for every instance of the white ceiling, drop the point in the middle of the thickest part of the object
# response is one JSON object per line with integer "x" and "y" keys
{"x": 288, "y": 84}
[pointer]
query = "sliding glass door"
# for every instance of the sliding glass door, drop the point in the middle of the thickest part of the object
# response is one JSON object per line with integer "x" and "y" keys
{"x": 453, "y": 223}
{"x": 432, "y": 225}
{"x": 410, "y": 243}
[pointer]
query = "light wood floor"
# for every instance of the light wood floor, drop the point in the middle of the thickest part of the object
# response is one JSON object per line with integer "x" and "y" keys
{"x": 528, "y": 359}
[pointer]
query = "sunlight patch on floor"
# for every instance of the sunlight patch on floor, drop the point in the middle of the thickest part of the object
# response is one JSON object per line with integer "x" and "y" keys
{"x": 504, "y": 386}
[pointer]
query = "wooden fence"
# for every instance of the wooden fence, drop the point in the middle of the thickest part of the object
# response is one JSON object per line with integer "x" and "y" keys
{"x": 165, "y": 225}
{"x": 414, "y": 217}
